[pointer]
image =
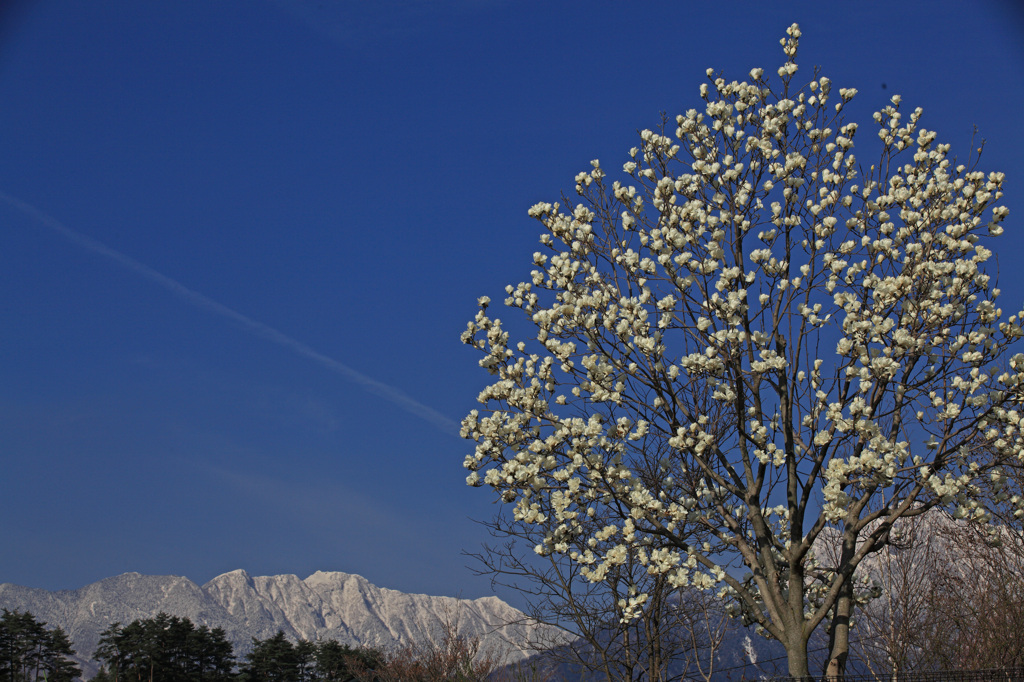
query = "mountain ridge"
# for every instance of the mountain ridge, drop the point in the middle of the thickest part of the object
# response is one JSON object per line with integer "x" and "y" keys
{"x": 325, "y": 605}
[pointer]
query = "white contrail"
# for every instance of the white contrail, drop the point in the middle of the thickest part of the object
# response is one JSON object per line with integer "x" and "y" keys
{"x": 255, "y": 327}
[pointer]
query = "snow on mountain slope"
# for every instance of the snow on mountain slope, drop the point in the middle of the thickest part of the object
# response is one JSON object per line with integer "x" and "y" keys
{"x": 333, "y": 605}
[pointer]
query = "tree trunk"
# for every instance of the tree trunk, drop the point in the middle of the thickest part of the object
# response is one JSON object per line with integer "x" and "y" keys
{"x": 839, "y": 634}
{"x": 796, "y": 654}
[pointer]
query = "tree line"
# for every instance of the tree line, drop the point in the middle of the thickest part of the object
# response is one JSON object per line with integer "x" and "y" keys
{"x": 168, "y": 648}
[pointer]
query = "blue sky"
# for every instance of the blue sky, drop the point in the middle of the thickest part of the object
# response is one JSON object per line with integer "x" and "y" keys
{"x": 239, "y": 241}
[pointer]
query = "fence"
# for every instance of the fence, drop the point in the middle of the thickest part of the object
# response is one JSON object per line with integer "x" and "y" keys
{"x": 990, "y": 675}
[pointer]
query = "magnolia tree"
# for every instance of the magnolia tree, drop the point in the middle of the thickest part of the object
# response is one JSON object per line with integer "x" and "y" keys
{"x": 750, "y": 342}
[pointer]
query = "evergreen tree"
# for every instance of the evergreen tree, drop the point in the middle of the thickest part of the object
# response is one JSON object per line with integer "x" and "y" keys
{"x": 109, "y": 653}
{"x": 212, "y": 655}
{"x": 335, "y": 661}
{"x": 305, "y": 661}
{"x": 29, "y": 651}
{"x": 272, "y": 660}
{"x": 57, "y": 665}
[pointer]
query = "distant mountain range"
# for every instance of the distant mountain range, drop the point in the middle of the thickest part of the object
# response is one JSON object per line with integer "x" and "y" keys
{"x": 326, "y": 605}
{"x": 333, "y": 605}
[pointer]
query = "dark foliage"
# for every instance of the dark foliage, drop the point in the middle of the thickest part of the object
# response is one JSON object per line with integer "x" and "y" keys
{"x": 277, "y": 659}
{"x": 165, "y": 649}
{"x": 30, "y": 651}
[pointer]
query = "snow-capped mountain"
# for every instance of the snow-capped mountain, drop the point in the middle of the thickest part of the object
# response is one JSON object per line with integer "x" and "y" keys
{"x": 334, "y": 605}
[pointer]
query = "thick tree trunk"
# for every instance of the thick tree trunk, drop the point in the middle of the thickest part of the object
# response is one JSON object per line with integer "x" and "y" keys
{"x": 796, "y": 654}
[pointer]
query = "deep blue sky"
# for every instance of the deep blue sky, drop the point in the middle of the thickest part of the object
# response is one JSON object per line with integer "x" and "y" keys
{"x": 183, "y": 180}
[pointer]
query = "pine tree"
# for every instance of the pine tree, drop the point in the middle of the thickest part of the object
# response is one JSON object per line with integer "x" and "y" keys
{"x": 29, "y": 651}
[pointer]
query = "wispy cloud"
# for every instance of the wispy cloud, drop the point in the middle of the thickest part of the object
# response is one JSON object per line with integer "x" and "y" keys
{"x": 254, "y": 327}
{"x": 311, "y": 503}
